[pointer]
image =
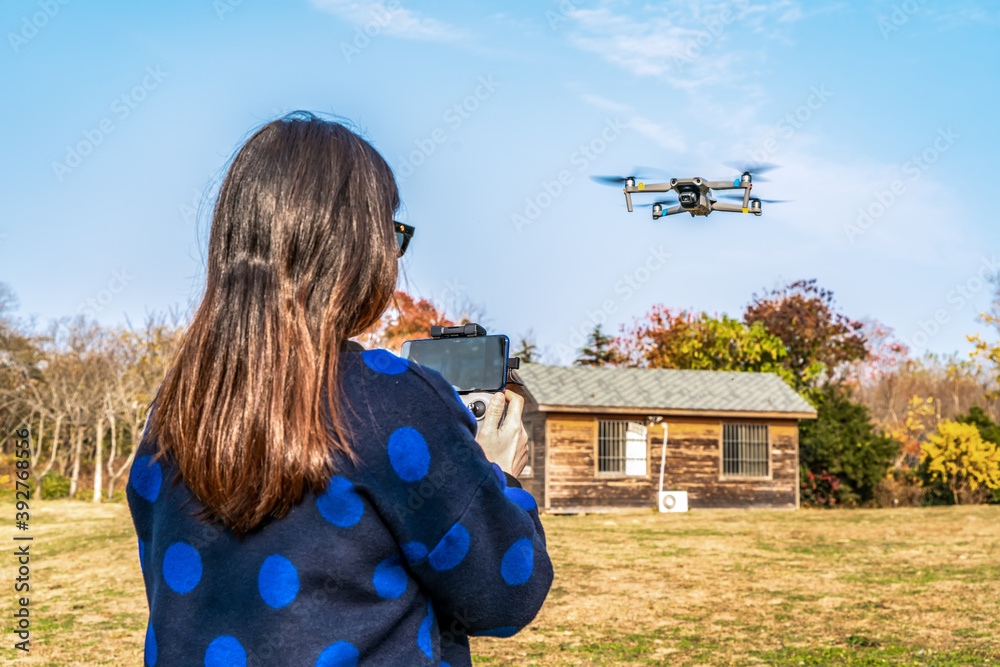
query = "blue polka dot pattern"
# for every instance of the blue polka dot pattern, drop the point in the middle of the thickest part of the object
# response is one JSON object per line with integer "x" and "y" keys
{"x": 424, "y": 633}
{"x": 340, "y": 504}
{"x": 518, "y": 561}
{"x": 225, "y": 651}
{"x": 521, "y": 497}
{"x": 464, "y": 404}
{"x": 506, "y": 631}
{"x": 142, "y": 550}
{"x": 408, "y": 454}
{"x": 149, "y": 650}
{"x": 390, "y": 578}
{"x": 500, "y": 476}
{"x": 341, "y": 654}
{"x": 181, "y": 567}
{"x": 278, "y": 581}
{"x": 146, "y": 477}
{"x": 384, "y": 362}
{"x": 414, "y": 551}
{"x": 452, "y": 548}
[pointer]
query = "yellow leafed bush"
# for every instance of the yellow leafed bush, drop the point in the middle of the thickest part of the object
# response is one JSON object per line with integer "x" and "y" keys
{"x": 958, "y": 455}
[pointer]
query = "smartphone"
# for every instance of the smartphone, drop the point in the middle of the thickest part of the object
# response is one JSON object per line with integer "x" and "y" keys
{"x": 469, "y": 364}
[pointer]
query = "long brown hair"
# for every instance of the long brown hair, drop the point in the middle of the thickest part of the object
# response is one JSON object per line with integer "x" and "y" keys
{"x": 302, "y": 255}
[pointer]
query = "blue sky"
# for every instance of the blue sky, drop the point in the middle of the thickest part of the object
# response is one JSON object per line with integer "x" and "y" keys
{"x": 119, "y": 117}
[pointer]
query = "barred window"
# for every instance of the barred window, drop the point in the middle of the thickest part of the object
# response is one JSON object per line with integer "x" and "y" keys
{"x": 621, "y": 448}
{"x": 745, "y": 450}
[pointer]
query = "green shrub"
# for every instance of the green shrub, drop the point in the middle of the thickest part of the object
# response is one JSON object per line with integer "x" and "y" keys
{"x": 843, "y": 442}
{"x": 55, "y": 486}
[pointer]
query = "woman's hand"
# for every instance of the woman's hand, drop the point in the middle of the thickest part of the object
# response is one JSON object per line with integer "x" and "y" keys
{"x": 506, "y": 445}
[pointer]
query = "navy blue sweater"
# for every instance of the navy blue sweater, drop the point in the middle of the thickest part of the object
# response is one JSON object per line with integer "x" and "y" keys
{"x": 405, "y": 555}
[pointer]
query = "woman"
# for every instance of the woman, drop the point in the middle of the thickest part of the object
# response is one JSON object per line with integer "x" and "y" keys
{"x": 300, "y": 501}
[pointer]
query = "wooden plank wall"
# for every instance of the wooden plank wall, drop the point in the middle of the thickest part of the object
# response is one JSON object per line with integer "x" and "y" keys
{"x": 535, "y": 484}
{"x": 572, "y": 478}
{"x": 693, "y": 464}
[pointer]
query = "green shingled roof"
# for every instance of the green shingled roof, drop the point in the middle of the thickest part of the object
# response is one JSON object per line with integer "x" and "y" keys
{"x": 660, "y": 389}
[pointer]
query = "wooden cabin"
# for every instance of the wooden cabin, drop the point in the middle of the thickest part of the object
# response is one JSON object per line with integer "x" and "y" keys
{"x": 599, "y": 437}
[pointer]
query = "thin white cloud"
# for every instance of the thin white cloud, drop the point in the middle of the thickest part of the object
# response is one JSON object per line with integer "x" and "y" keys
{"x": 604, "y": 103}
{"x": 662, "y": 136}
{"x": 689, "y": 44}
{"x": 395, "y": 20}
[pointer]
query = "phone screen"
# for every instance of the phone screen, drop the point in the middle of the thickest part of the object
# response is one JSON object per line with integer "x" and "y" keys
{"x": 476, "y": 363}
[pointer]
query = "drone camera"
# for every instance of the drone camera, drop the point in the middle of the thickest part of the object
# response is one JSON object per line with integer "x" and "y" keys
{"x": 688, "y": 197}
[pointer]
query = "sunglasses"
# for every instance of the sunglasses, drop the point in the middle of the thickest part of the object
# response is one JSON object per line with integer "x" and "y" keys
{"x": 403, "y": 235}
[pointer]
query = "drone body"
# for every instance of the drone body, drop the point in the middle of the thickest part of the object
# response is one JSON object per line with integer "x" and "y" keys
{"x": 694, "y": 195}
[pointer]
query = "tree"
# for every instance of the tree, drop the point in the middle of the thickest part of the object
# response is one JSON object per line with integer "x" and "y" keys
{"x": 988, "y": 352}
{"x": 527, "y": 350}
{"x": 843, "y": 442}
{"x": 147, "y": 357}
{"x": 885, "y": 356}
{"x": 988, "y": 429}
{"x": 406, "y": 318}
{"x": 600, "y": 350}
{"x": 817, "y": 338}
{"x": 958, "y": 455}
{"x": 919, "y": 421}
{"x": 679, "y": 339}
{"x": 20, "y": 370}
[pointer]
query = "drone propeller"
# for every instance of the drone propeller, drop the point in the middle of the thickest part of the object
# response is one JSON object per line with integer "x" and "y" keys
{"x": 765, "y": 201}
{"x": 754, "y": 168}
{"x": 669, "y": 202}
{"x": 639, "y": 174}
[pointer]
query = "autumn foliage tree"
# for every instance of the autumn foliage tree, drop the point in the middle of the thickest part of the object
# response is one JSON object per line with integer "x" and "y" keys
{"x": 667, "y": 338}
{"x": 406, "y": 318}
{"x": 817, "y": 338}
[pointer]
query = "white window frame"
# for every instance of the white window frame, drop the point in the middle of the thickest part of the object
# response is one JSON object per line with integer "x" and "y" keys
{"x": 622, "y": 448}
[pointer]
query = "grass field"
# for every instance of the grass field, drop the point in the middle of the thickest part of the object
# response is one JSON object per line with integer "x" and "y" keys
{"x": 862, "y": 587}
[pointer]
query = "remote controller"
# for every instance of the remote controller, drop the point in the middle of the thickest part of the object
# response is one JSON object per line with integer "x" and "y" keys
{"x": 477, "y": 401}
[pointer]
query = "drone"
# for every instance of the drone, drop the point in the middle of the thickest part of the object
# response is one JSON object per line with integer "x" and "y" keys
{"x": 695, "y": 195}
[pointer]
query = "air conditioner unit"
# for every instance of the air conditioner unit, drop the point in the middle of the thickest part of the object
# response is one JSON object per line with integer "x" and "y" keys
{"x": 669, "y": 501}
{"x": 672, "y": 501}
